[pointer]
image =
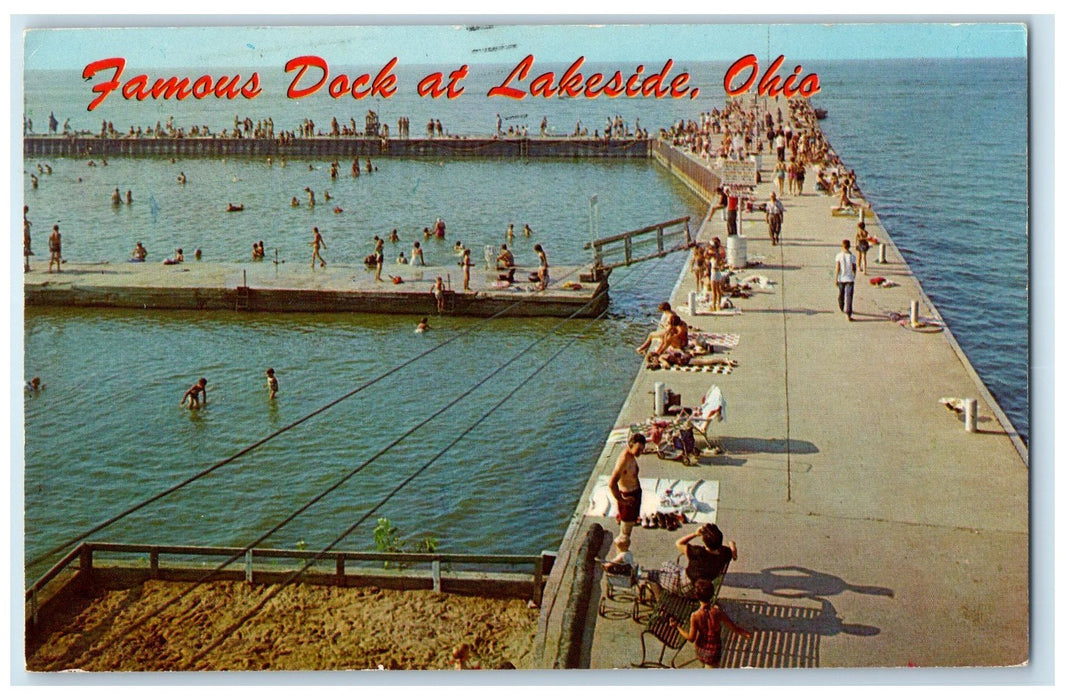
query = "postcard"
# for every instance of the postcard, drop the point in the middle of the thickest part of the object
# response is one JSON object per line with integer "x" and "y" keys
{"x": 328, "y": 339}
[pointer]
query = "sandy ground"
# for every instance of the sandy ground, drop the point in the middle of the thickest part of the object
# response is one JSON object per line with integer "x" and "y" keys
{"x": 304, "y": 628}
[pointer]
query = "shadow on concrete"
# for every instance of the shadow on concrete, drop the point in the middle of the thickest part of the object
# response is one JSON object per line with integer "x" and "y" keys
{"x": 799, "y": 582}
{"x": 803, "y": 312}
{"x": 784, "y": 636}
{"x": 753, "y": 445}
{"x": 720, "y": 461}
{"x": 797, "y": 626}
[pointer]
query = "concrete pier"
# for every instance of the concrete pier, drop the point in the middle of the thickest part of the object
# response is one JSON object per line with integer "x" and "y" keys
{"x": 873, "y": 530}
{"x": 263, "y": 286}
{"x": 85, "y": 146}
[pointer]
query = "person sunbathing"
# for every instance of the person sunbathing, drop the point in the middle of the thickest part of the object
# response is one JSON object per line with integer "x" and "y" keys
{"x": 668, "y": 357}
{"x": 845, "y": 204}
{"x": 676, "y": 335}
{"x": 663, "y": 327}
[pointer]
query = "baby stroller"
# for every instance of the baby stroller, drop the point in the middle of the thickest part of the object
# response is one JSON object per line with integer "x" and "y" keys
{"x": 678, "y": 443}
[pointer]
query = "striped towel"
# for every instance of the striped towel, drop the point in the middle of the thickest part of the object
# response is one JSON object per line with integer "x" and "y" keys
{"x": 729, "y": 340}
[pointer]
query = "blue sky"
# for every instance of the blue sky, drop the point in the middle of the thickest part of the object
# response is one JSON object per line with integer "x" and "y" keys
{"x": 237, "y": 45}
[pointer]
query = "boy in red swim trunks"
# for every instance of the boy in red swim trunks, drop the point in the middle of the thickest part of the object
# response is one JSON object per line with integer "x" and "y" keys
{"x": 625, "y": 484}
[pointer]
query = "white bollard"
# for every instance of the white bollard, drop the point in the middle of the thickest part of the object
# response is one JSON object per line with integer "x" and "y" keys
{"x": 861, "y": 215}
{"x": 914, "y": 312}
{"x": 970, "y": 415}
{"x": 691, "y": 303}
{"x": 660, "y": 398}
{"x": 882, "y": 256}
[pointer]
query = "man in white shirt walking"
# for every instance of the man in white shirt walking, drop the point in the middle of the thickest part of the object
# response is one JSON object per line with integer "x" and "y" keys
{"x": 846, "y": 265}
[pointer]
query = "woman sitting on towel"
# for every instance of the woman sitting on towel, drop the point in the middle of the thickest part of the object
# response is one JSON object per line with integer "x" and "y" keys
{"x": 676, "y": 334}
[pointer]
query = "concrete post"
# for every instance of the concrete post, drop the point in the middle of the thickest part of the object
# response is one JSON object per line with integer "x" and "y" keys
{"x": 660, "y": 398}
{"x": 691, "y": 303}
{"x": 970, "y": 415}
{"x": 914, "y": 312}
{"x": 882, "y": 256}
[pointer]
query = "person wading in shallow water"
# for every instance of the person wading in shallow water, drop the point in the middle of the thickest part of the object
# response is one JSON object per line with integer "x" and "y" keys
{"x": 193, "y": 394}
{"x": 271, "y": 383}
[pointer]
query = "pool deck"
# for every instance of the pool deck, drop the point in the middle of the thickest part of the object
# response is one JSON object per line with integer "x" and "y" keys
{"x": 289, "y": 287}
{"x": 873, "y": 530}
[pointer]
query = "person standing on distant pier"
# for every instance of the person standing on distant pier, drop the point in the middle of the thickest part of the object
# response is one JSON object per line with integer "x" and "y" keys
{"x": 846, "y": 265}
{"x": 625, "y": 484}
{"x": 438, "y": 294}
{"x": 861, "y": 244}
{"x": 466, "y": 264}
{"x": 55, "y": 247}
{"x": 774, "y": 216}
{"x": 271, "y": 383}
{"x": 316, "y": 245}
{"x": 732, "y": 211}
{"x": 379, "y": 257}
{"x": 542, "y": 273}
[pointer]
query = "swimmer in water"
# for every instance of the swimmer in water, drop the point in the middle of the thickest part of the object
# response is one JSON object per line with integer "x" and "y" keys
{"x": 193, "y": 394}
{"x": 34, "y": 385}
{"x": 271, "y": 383}
{"x": 423, "y": 326}
{"x": 139, "y": 253}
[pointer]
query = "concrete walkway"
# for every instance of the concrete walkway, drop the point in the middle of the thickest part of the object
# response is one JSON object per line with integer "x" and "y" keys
{"x": 873, "y": 531}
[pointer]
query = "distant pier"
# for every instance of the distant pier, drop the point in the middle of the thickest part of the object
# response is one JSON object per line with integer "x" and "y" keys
{"x": 263, "y": 286}
{"x": 86, "y": 146}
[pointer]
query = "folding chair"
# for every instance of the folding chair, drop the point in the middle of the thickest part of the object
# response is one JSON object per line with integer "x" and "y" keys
{"x": 669, "y": 607}
{"x": 712, "y": 409}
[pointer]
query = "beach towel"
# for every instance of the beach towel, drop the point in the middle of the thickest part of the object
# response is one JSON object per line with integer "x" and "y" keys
{"x": 718, "y": 340}
{"x": 696, "y": 499}
{"x": 717, "y": 368}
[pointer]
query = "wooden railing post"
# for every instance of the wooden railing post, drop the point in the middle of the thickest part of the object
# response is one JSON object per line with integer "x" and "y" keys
{"x": 85, "y": 566}
{"x": 538, "y": 582}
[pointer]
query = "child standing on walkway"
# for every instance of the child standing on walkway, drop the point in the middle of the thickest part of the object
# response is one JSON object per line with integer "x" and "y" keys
{"x": 704, "y": 628}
